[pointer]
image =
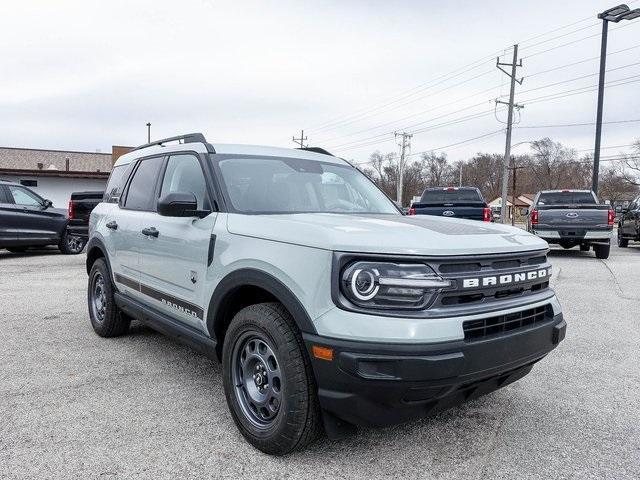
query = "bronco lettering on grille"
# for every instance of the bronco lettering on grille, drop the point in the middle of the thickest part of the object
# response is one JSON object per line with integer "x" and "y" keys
{"x": 506, "y": 279}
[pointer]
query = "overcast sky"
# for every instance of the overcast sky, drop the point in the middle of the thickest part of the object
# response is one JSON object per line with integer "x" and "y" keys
{"x": 83, "y": 75}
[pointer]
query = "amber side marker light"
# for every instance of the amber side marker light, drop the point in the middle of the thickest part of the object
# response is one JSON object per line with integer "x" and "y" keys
{"x": 322, "y": 353}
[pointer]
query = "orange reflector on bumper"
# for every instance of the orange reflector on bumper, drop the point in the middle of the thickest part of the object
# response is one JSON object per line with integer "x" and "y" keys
{"x": 322, "y": 353}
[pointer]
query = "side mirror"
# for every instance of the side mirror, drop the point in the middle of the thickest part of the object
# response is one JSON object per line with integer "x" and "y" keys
{"x": 178, "y": 204}
{"x": 47, "y": 204}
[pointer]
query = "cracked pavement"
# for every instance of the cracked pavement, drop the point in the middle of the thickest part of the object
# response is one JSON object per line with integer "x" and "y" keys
{"x": 75, "y": 405}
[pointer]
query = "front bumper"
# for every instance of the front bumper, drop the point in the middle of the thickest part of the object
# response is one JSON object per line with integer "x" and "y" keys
{"x": 379, "y": 384}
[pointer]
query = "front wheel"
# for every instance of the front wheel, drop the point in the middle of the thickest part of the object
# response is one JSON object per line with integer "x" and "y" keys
{"x": 622, "y": 242}
{"x": 602, "y": 251}
{"x": 268, "y": 381}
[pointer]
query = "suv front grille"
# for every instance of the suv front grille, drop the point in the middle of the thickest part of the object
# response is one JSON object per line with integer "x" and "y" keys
{"x": 492, "y": 326}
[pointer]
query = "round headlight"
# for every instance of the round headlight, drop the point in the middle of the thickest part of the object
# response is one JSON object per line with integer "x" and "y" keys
{"x": 364, "y": 284}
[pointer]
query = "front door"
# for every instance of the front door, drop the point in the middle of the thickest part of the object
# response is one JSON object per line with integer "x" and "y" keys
{"x": 174, "y": 264}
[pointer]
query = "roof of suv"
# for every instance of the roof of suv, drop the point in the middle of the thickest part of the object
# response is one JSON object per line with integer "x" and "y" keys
{"x": 7, "y": 182}
{"x": 229, "y": 149}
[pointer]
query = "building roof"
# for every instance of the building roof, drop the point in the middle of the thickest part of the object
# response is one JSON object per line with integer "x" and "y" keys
{"x": 14, "y": 158}
{"x": 53, "y": 173}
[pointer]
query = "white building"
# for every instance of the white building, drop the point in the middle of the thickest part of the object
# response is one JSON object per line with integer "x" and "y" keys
{"x": 54, "y": 174}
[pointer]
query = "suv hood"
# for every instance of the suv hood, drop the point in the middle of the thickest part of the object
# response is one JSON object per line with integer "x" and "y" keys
{"x": 392, "y": 234}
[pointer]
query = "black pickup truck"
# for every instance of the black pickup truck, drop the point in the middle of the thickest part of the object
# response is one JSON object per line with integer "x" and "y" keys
{"x": 80, "y": 206}
{"x": 572, "y": 218}
{"x": 455, "y": 202}
{"x": 629, "y": 224}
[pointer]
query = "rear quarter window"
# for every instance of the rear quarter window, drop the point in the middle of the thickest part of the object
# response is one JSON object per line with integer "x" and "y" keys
{"x": 116, "y": 183}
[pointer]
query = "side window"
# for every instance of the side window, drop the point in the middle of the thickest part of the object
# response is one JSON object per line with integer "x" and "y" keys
{"x": 116, "y": 183}
{"x": 22, "y": 196}
{"x": 140, "y": 194}
{"x": 183, "y": 174}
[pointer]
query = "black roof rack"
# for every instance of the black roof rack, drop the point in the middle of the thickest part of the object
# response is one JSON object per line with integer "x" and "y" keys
{"x": 317, "y": 150}
{"x": 187, "y": 138}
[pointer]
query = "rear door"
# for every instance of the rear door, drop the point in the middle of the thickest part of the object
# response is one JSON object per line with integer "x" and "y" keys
{"x": 126, "y": 239}
{"x": 7, "y": 221}
{"x": 175, "y": 262}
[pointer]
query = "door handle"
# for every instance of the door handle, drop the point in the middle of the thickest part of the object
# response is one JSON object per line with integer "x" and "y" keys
{"x": 150, "y": 232}
{"x": 112, "y": 225}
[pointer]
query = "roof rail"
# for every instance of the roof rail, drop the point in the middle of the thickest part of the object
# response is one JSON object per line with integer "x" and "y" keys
{"x": 187, "y": 138}
{"x": 316, "y": 150}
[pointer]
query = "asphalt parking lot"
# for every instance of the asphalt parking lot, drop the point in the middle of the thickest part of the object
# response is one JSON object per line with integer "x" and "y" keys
{"x": 75, "y": 405}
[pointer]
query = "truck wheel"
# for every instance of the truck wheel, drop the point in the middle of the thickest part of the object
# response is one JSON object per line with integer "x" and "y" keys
{"x": 585, "y": 248}
{"x": 602, "y": 251}
{"x": 622, "y": 242}
{"x": 71, "y": 245}
{"x": 268, "y": 381}
{"x": 106, "y": 318}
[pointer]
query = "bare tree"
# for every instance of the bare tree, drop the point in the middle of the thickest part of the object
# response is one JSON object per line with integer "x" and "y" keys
{"x": 630, "y": 166}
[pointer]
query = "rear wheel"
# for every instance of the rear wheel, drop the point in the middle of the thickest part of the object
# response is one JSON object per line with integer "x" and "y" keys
{"x": 602, "y": 251}
{"x": 71, "y": 244}
{"x": 268, "y": 380}
{"x": 106, "y": 318}
{"x": 622, "y": 242}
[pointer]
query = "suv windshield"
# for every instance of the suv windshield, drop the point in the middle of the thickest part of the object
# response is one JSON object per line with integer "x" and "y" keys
{"x": 566, "y": 198}
{"x": 290, "y": 185}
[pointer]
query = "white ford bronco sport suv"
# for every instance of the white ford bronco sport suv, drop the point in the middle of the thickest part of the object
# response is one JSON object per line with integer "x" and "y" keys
{"x": 327, "y": 307}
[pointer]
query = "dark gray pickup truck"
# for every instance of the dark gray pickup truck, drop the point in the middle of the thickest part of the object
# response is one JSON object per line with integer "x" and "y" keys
{"x": 456, "y": 202}
{"x": 572, "y": 218}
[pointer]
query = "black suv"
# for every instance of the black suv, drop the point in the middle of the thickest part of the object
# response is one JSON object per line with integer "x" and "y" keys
{"x": 629, "y": 224}
{"x": 28, "y": 220}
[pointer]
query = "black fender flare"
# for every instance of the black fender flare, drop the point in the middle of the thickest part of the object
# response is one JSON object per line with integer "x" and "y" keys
{"x": 95, "y": 242}
{"x": 256, "y": 278}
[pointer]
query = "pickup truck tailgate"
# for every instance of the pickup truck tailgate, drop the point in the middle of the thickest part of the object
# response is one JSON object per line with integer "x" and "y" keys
{"x": 573, "y": 218}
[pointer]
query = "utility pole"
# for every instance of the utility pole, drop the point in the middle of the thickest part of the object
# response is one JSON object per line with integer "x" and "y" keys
{"x": 300, "y": 141}
{"x": 405, "y": 146}
{"x": 515, "y": 169}
{"x": 148, "y": 132}
{"x": 507, "y": 150}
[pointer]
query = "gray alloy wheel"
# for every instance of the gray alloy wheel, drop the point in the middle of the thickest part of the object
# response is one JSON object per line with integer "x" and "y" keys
{"x": 98, "y": 297}
{"x": 257, "y": 379}
{"x": 75, "y": 245}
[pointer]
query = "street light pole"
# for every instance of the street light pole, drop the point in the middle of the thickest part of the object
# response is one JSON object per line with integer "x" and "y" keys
{"x": 615, "y": 14}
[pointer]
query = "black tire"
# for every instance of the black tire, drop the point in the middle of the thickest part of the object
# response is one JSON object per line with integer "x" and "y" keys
{"x": 585, "y": 248}
{"x": 71, "y": 244}
{"x": 622, "y": 242}
{"x": 602, "y": 251}
{"x": 294, "y": 415}
{"x": 17, "y": 249}
{"x": 106, "y": 318}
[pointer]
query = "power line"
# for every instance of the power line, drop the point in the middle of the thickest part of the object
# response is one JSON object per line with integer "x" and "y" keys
{"x": 430, "y": 84}
{"x": 578, "y": 124}
{"x": 571, "y": 42}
